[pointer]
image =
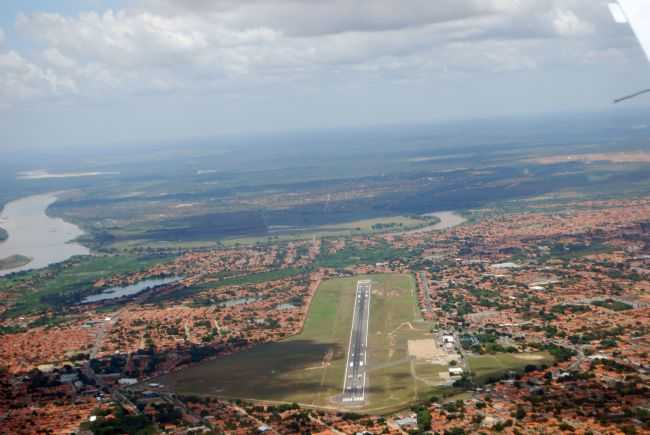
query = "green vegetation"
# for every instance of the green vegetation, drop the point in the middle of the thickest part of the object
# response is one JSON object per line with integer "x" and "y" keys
{"x": 486, "y": 367}
{"x": 613, "y": 305}
{"x": 560, "y": 353}
{"x": 424, "y": 418}
{"x": 14, "y": 261}
{"x": 569, "y": 308}
{"x": 485, "y": 342}
{"x": 254, "y": 278}
{"x": 119, "y": 422}
{"x": 67, "y": 283}
{"x": 382, "y": 224}
{"x": 352, "y": 255}
{"x": 11, "y": 329}
{"x": 4, "y": 235}
{"x": 600, "y": 334}
{"x": 363, "y": 226}
{"x": 568, "y": 251}
{"x": 334, "y": 194}
{"x": 309, "y": 368}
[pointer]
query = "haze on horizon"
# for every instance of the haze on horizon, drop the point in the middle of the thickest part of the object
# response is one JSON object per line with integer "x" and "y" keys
{"x": 82, "y": 72}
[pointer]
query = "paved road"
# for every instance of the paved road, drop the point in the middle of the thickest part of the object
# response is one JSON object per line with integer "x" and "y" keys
{"x": 354, "y": 383}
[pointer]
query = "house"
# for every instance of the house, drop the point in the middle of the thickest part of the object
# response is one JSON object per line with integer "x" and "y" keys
{"x": 407, "y": 421}
{"x": 127, "y": 381}
{"x": 455, "y": 371}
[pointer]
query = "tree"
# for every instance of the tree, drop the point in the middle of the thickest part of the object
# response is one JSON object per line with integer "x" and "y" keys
{"x": 520, "y": 414}
{"x": 424, "y": 418}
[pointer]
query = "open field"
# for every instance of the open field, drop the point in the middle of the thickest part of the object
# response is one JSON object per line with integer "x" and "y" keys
{"x": 309, "y": 367}
{"x": 285, "y": 234}
{"x": 364, "y": 226}
{"x": 485, "y": 366}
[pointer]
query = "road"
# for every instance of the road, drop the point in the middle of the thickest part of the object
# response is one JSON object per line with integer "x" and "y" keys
{"x": 354, "y": 382}
{"x": 427, "y": 292}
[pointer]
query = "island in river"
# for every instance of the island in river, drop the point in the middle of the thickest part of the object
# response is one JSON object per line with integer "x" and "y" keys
{"x": 34, "y": 235}
{"x": 14, "y": 262}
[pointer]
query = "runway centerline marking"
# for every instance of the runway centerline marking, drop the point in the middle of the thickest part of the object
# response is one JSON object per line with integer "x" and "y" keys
{"x": 354, "y": 380}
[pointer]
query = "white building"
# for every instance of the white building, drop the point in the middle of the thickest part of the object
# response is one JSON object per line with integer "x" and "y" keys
{"x": 127, "y": 381}
{"x": 455, "y": 371}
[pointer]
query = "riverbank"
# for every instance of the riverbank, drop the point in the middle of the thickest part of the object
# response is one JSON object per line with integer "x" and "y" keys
{"x": 445, "y": 219}
{"x": 34, "y": 235}
{"x": 14, "y": 261}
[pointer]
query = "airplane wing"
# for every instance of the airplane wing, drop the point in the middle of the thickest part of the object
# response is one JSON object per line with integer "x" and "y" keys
{"x": 637, "y": 14}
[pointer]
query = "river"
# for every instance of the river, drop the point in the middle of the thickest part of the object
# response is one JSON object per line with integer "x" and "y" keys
{"x": 34, "y": 234}
{"x": 447, "y": 219}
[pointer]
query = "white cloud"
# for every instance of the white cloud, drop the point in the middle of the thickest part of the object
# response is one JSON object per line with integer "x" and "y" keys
{"x": 22, "y": 80}
{"x": 54, "y": 57}
{"x": 318, "y": 17}
{"x": 566, "y": 23}
{"x": 171, "y": 45}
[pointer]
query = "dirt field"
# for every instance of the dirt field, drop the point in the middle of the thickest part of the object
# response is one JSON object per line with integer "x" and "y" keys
{"x": 423, "y": 349}
{"x": 428, "y": 350}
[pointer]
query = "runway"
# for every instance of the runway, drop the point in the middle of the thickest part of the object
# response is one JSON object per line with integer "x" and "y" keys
{"x": 354, "y": 382}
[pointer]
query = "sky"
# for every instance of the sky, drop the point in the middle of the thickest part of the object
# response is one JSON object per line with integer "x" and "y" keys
{"x": 95, "y": 72}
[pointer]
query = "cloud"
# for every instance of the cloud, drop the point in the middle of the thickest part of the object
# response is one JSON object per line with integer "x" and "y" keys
{"x": 566, "y": 23}
{"x": 22, "y": 80}
{"x": 201, "y": 45}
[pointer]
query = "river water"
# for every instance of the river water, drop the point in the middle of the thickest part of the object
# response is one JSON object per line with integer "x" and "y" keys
{"x": 447, "y": 219}
{"x": 36, "y": 235}
{"x": 129, "y": 290}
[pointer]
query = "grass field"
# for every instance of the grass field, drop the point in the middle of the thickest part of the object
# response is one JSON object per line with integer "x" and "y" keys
{"x": 364, "y": 226}
{"x": 309, "y": 367}
{"x": 486, "y": 366}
